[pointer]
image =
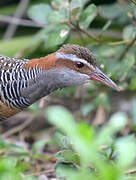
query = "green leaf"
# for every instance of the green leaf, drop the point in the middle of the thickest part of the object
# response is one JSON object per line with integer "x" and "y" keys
{"x": 57, "y": 36}
{"x": 69, "y": 172}
{"x": 29, "y": 178}
{"x": 61, "y": 118}
{"x": 132, "y": 85}
{"x": 119, "y": 117}
{"x": 17, "y": 45}
{"x": 34, "y": 107}
{"x": 127, "y": 64}
{"x": 54, "y": 17}
{"x": 106, "y": 51}
{"x": 10, "y": 169}
{"x": 63, "y": 141}
{"x": 64, "y": 13}
{"x": 39, "y": 145}
{"x": 134, "y": 11}
{"x": 58, "y": 3}
{"x": 16, "y": 148}
{"x": 104, "y": 100}
{"x": 52, "y": 35}
{"x": 68, "y": 156}
{"x": 85, "y": 132}
{"x": 39, "y": 12}
{"x": 86, "y": 144}
{"x": 126, "y": 150}
{"x": 64, "y": 170}
{"x": 133, "y": 111}
{"x": 60, "y": 16}
{"x": 7, "y": 163}
{"x": 129, "y": 32}
{"x": 87, "y": 16}
{"x": 80, "y": 134}
{"x": 2, "y": 143}
{"x": 117, "y": 121}
{"x": 87, "y": 108}
{"x": 44, "y": 33}
{"x": 84, "y": 2}
{"x": 111, "y": 11}
{"x": 115, "y": 12}
{"x": 105, "y": 27}
{"x": 75, "y": 7}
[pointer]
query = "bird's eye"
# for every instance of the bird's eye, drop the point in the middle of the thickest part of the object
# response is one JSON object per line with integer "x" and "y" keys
{"x": 79, "y": 65}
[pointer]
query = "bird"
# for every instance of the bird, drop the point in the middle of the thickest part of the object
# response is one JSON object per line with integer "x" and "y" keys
{"x": 24, "y": 81}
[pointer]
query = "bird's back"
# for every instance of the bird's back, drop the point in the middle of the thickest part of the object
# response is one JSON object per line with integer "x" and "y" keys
{"x": 12, "y": 78}
{"x": 22, "y": 82}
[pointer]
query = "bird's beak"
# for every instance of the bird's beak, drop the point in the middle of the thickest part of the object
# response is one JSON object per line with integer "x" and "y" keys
{"x": 98, "y": 75}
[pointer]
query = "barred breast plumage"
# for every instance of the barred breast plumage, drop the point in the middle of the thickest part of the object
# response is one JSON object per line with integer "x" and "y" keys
{"x": 23, "y": 81}
{"x": 14, "y": 79}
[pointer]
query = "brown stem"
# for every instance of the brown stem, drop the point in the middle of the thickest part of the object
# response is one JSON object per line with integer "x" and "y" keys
{"x": 92, "y": 36}
{"x": 41, "y": 172}
{"x": 132, "y": 19}
{"x": 126, "y": 49}
{"x": 81, "y": 37}
{"x": 20, "y": 22}
{"x": 130, "y": 172}
{"x": 18, "y": 14}
{"x": 17, "y": 128}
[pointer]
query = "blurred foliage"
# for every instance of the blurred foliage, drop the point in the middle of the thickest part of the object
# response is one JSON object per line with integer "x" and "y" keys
{"x": 9, "y": 10}
{"x": 92, "y": 154}
{"x": 12, "y": 166}
{"x": 16, "y": 44}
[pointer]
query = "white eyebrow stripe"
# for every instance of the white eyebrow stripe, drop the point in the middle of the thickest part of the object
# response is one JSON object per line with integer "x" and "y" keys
{"x": 73, "y": 58}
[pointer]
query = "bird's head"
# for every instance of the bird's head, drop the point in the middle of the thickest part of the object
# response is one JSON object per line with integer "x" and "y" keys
{"x": 77, "y": 65}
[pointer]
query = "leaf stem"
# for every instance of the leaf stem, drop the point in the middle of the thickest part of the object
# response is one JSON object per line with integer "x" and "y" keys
{"x": 126, "y": 49}
{"x": 92, "y": 36}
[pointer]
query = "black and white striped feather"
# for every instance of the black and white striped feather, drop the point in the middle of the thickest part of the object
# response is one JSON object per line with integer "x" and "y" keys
{"x": 13, "y": 78}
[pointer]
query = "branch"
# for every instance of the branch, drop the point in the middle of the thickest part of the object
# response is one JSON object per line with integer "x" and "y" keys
{"x": 41, "y": 172}
{"x": 92, "y": 36}
{"x": 88, "y": 34}
{"x": 130, "y": 172}
{"x": 22, "y": 22}
{"x": 126, "y": 49}
{"x": 19, "y": 13}
{"x": 132, "y": 19}
{"x": 17, "y": 128}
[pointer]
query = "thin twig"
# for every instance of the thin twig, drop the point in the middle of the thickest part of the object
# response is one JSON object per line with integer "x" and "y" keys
{"x": 21, "y": 22}
{"x": 118, "y": 42}
{"x": 17, "y": 128}
{"x": 132, "y": 19}
{"x": 19, "y": 13}
{"x": 41, "y": 172}
{"x": 81, "y": 37}
{"x": 92, "y": 36}
{"x": 133, "y": 171}
{"x": 126, "y": 49}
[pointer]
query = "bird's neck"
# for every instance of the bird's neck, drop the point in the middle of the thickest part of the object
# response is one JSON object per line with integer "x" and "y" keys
{"x": 46, "y": 78}
{"x": 51, "y": 74}
{"x": 44, "y": 63}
